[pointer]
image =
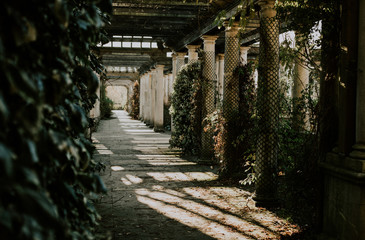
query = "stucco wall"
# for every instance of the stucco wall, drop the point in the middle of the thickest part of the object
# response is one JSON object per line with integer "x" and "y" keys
{"x": 118, "y": 94}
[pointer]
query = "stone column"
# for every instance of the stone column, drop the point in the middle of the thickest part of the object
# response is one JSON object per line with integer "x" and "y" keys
{"x": 243, "y": 54}
{"x": 180, "y": 61}
{"x": 359, "y": 147}
{"x": 159, "y": 93}
{"x": 208, "y": 88}
{"x": 165, "y": 89}
{"x": 171, "y": 83}
{"x": 145, "y": 99}
{"x": 149, "y": 99}
{"x": 301, "y": 80}
{"x": 221, "y": 75}
{"x": 267, "y": 106}
{"x": 231, "y": 95}
{"x": 153, "y": 97}
{"x": 192, "y": 53}
{"x": 174, "y": 70}
{"x": 141, "y": 96}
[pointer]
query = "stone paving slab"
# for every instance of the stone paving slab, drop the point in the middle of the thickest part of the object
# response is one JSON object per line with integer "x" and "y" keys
{"x": 155, "y": 194}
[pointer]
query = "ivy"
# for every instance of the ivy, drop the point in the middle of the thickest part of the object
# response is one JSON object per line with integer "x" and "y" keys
{"x": 47, "y": 71}
{"x": 186, "y": 104}
{"x": 106, "y": 104}
{"x": 135, "y": 101}
{"x": 235, "y": 139}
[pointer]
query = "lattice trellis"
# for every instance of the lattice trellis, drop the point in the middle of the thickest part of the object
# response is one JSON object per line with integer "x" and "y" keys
{"x": 268, "y": 111}
{"x": 209, "y": 101}
{"x": 231, "y": 82}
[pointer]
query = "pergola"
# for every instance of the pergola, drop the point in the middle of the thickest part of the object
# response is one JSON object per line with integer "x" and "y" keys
{"x": 142, "y": 32}
{"x": 150, "y": 38}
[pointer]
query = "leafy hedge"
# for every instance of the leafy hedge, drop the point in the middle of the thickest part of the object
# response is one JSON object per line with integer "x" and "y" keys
{"x": 186, "y": 103}
{"x": 47, "y": 88}
{"x": 135, "y": 101}
{"x": 106, "y": 104}
{"x": 234, "y": 140}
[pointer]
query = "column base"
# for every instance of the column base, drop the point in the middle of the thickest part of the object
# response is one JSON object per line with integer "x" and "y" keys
{"x": 344, "y": 197}
{"x": 268, "y": 203}
{"x": 359, "y": 151}
{"x": 159, "y": 129}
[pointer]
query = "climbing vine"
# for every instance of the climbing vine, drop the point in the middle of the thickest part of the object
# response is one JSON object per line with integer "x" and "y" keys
{"x": 186, "y": 103}
{"x": 135, "y": 101}
{"x": 234, "y": 141}
{"x": 47, "y": 72}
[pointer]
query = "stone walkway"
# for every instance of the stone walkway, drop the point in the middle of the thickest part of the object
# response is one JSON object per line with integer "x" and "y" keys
{"x": 155, "y": 194}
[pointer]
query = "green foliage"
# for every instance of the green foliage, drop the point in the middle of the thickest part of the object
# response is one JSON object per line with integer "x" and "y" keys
{"x": 48, "y": 87}
{"x": 234, "y": 140}
{"x": 186, "y": 102}
{"x": 106, "y": 104}
{"x": 298, "y": 158}
{"x": 245, "y": 10}
{"x": 135, "y": 101}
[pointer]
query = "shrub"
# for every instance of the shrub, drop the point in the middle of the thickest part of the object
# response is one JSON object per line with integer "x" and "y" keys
{"x": 106, "y": 104}
{"x": 234, "y": 140}
{"x": 135, "y": 101}
{"x": 186, "y": 102}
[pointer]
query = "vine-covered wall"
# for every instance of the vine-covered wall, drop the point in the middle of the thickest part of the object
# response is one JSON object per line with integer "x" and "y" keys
{"x": 48, "y": 85}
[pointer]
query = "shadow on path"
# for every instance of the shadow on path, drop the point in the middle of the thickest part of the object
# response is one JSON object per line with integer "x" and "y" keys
{"x": 154, "y": 194}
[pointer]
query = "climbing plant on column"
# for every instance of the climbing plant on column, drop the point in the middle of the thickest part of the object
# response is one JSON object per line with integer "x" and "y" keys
{"x": 186, "y": 107}
{"x": 238, "y": 162}
{"x": 135, "y": 101}
{"x": 48, "y": 86}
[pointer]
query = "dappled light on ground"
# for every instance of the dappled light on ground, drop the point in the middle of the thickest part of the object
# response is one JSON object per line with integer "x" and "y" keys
{"x": 155, "y": 194}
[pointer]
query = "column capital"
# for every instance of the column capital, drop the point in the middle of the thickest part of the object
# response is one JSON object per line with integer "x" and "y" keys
{"x": 192, "y": 47}
{"x": 209, "y": 39}
{"x": 173, "y": 55}
{"x": 244, "y": 49}
{"x": 221, "y": 56}
{"x": 234, "y": 28}
{"x": 267, "y": 8}
{"x": 159, "y": 66}
{"x": 180, "y": 54}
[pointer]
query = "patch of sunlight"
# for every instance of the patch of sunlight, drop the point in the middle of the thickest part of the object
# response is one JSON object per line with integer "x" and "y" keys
{"x": 134, "y": 179}
{"x": 202, "y": 176}
{"x": 126, "y": 181}
{"x": 139, "y": 131}
{"x": 150, "y": 141}
{"x": 94, "y": 140}
{"x": 154, "y": 156}
{"x": 117, "y": 168}
{"x": 100, "y": 146}
{"x": 169, "y": 191}
{"x": 229, "y": 199}
{"x": 208, "y": 219}
{"x": 174, "y": 163}
{"x": 105, "y": 152}
{"x": 180, "y": 177}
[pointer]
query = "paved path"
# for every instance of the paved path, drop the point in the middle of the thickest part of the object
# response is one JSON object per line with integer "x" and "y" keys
{"x": 154, "y": 194}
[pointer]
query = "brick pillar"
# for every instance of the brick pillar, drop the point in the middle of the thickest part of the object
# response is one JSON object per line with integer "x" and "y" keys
{"x": 267, "y": 106}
